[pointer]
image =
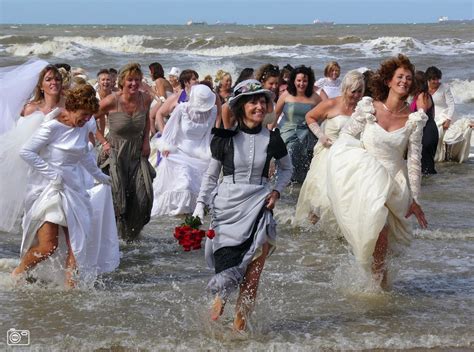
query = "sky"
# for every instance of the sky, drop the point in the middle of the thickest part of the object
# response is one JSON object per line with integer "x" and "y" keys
{"x": 239, "y": 11}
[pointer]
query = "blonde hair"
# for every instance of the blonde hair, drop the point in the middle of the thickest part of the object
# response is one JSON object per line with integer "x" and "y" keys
{"x": 131, "y": 68}
{"x": 331, "y": 66}
{"x": 352, "y": 81}
{"x": 66, "y": 76}
{"x": 220, "y": 76}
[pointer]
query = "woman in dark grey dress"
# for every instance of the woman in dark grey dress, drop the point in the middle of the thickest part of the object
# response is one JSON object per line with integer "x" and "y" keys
{"x": 128, "y": 148}
{"x": 241, "y": 209}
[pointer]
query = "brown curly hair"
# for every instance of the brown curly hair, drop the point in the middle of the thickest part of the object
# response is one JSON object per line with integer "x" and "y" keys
{"x": 378, "y": 84}
{"x": 82, "y": 97}
{"x": 132, "y": 68}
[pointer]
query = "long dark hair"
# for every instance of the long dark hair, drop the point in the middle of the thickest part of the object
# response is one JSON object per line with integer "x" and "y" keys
{"x": 308, "y": 72}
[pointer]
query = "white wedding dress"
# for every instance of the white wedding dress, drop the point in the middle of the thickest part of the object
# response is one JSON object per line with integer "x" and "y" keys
{"x": 370, "y": 184}
{"x": 313, "y": 198}
{"x": 59, "y": 150}
{"x": 454, "y": 143}
{"x": 187, "y": 136}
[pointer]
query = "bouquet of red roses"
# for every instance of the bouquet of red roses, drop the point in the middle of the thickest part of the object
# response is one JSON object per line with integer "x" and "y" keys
{"x": 189, "y": 235}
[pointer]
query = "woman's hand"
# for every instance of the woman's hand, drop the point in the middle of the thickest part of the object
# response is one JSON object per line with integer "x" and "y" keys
{"x": 146, "y": 148}
{"x": 272, "y": 199}
{"x": 420, "y": 216}
{"x": 106, "y": 148}
{"x": 165, "y": 153}
{"x": 446, "y": 124}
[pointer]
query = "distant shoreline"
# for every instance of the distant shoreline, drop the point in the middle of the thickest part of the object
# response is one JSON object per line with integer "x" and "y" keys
{"x": 450, "y": 22}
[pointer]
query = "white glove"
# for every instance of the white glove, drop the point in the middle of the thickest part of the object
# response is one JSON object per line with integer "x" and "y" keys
{"x": 318, "y": 132}
{"x": 104, "y": 179}
{"x": 199, "y": 210}
{"x": 57, "y": 183}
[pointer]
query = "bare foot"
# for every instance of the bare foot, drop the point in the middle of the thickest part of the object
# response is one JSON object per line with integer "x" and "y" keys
{"x": 18, "y": 277}
{"x": 239, "y": 322}
{"x": 217, "y": 307}
{"x": 313, "y": 219}
{"x": 69, "y": 282}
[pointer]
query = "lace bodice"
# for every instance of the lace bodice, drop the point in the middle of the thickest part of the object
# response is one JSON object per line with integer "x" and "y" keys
{"x": 389, "y": 147}
{"x": 333, "y": 126}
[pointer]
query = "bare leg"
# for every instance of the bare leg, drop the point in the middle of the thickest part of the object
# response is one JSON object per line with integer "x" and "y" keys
{"x": 47, "y": 243}
{"x": 248, "y": 290}
{"x": 217, "y": 308}
{"x": 70, "y": 262}
{"x": 379, "y": 270}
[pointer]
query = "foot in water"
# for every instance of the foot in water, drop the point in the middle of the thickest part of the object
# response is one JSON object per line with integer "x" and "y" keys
{"x": 18, "y": 277}
{"x": 217, "y": 308}
{"x": 240, "y": 321}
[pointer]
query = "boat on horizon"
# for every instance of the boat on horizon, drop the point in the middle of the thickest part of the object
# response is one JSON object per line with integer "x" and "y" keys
{"x": 317, "y": 21}
{"x": 446, "y": 20}
{"x": 194, "y": 23}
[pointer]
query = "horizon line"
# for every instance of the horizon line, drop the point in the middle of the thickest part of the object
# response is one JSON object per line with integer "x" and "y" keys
{"x": 201, "y": 24}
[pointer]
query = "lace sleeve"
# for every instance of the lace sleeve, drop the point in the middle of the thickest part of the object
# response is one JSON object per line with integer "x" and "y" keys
{"x": 364, "y": 111}
{"x": 448, "y": 96}
{"x": 417, "y": 121}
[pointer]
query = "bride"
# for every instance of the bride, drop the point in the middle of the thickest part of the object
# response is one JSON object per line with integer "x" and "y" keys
{"x": 185, "y": 147}
{"x": 370, "y": 194}
{"x": 313, "y": 203}
{"x": 58, "y": 211}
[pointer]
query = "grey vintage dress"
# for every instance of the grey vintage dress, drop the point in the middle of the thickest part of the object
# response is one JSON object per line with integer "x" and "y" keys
{"x": 240, "y": 219}
{"x": 132, "y": 174}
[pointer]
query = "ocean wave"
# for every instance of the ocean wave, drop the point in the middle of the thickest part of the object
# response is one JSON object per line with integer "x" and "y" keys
{"x": 225, "y": 51}
{"x": 463, "y": 91}
{"x": 410, "y": 46}
{"x": 230, "y": 45}
{"x": 62, "y": 46}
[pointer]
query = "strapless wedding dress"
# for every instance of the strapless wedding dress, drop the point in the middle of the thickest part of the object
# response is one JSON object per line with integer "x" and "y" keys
{"x": 313, "y": 198}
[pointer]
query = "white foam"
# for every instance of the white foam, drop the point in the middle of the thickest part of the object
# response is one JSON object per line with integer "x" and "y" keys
{"x": 81, "y": 46}
{"x": 411, "y": 46}
{"x": 225, "y": 51}
{"x": 463, "y": 91}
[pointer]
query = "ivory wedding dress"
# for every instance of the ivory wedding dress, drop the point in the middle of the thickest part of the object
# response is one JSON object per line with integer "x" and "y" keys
{"x": 370, "y": 184}
{"x": 313, "y": 198}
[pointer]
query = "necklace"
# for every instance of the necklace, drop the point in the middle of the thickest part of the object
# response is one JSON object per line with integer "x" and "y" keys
{"x": 395, "y": 112}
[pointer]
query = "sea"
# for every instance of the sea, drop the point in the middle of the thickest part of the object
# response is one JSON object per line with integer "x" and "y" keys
{"x": 311, "y": 297}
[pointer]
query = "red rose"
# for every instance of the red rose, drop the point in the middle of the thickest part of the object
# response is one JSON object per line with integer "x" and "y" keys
{"x": 197, "y": 246}
{"x": 210, "y": 234}
{"x": 179, "y": 232}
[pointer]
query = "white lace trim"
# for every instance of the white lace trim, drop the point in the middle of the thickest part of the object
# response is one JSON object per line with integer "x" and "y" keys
{"x": 416, "y": 122}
